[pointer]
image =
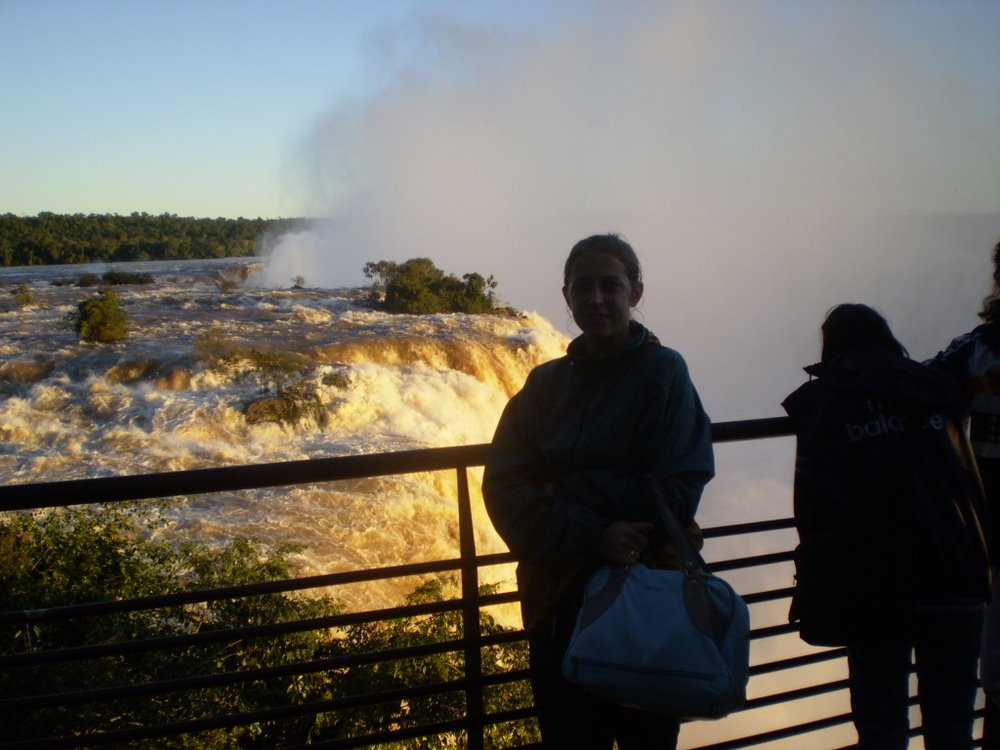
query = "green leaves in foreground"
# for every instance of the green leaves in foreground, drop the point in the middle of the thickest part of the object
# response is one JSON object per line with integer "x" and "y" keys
{"x": 99, "y": 554}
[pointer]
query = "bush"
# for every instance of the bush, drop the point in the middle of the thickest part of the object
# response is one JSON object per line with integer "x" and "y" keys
{"x": 277, "y": 371}
{"x": 23, "y": 295}
{"x": 114, "y": 552}
{"x": 127, "y": 277}
{"x": 288, "y": 377}
{"x": 101, "y": 318}
{"x": 102, "y": 554}
{"x": 272, "y": 371}
{"x": 336, "y": 379}
{"x": 418, "y": 287}
{"x": 430, "y": 668}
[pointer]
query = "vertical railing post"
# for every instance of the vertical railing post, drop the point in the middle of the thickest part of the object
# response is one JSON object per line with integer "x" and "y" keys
{"x": 471, "y": 634}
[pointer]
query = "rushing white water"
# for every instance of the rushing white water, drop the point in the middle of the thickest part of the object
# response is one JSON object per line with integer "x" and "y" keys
{"x": 72, "y": 410}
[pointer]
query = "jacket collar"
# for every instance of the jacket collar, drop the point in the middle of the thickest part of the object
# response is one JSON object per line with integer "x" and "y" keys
{"x": 887, "y": 375}
{"x": 639, "y": 336}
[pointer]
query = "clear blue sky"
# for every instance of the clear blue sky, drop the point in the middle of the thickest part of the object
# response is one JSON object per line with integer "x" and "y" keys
{"x": 215, "y": 107}
{"x": 181, "y": 106}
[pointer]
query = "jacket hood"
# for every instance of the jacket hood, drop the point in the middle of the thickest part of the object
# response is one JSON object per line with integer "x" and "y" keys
{"x": 886, "y": 375}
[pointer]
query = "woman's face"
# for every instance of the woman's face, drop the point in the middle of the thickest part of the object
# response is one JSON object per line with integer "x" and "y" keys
{"x": 601, "y": 299}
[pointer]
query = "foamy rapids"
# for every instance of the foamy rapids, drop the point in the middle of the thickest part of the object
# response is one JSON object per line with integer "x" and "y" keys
{"x": 72, "y": 410}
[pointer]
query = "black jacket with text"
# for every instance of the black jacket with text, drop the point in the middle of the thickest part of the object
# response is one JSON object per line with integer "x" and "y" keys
{"x": 888, "y": 504}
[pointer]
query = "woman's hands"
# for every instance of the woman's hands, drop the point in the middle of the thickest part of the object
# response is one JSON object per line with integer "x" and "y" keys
{"x": 622, "y": 542}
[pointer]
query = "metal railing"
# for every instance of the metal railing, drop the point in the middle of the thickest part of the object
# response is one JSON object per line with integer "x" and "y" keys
{"x": 468, "y": 714}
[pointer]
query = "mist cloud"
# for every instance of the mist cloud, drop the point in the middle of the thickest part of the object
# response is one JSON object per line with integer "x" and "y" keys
{"x": 767, "y": 161}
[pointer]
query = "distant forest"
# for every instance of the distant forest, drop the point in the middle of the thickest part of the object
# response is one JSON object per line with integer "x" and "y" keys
{"x": 77, "y": 238}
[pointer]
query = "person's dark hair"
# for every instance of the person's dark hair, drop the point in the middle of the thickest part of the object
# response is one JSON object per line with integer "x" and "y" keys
{"x": 613, "y": 245}
{"x": 991, "y": 305}
{"x": 852, "y": 325}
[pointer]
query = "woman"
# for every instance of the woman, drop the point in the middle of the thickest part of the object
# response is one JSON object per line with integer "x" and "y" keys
{"x": 568, "y": 475}
{"x": 891, "y": 558}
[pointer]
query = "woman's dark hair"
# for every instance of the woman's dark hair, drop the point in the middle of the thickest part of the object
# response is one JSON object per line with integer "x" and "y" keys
{"x": 852, "y": 325}
{"x": 613, "y": 245}
{"x": 991, "y": 305}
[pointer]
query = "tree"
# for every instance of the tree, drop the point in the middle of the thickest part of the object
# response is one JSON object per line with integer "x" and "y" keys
{"x": 101, "y": 319}
{"x": 76, "y": 238}
{"x": 418, "y": 287}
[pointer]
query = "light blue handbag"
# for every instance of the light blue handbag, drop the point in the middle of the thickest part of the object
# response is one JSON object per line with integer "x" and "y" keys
{"x": 674, "y": 642}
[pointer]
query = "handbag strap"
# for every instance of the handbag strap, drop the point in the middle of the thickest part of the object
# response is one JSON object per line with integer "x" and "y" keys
{"x": 693, "y": 561}
{"x": 704, "y": 614}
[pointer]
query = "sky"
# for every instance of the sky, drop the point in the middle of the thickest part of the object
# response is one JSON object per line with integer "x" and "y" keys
{"x": 767, "y": 159}
{"x": 206, "y": 109}
{"x": 191, "y": 108}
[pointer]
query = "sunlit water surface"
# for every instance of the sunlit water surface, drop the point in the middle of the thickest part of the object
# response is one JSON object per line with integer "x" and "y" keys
{"x": 71, "y": 410}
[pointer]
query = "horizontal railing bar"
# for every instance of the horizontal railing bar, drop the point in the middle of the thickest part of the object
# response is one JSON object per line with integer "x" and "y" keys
{"x": 184, "y": 684}
{"x": 329, "y": 580}
{"x": 768, "y": 596}
{"x": 505, "y": 678}
{"x": 772, "y": 631}
{"x": 305, "y": 471}
{"x": 73, "y": 611}
{"x": 791, "y": 662}
{"x": 393, "y": 735}
{"x": 779, "y": 734}
{"x": 503, "y": 638}
{"x": 215, "y": 636}
{"x": 750, "y": 562}
{"x": 231, "y": 478}
{"x": 751, "y": 527}
{"x": 810, "y": 691}
{"x": 230, "y": 634}
{"x": 246, "y": 717}
{"x": 512, "y": 714}
{"x": 751, "y": 429}
{"x": 230, "y": 678}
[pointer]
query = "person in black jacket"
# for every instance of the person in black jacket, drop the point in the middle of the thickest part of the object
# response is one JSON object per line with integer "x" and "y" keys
{"x": 892, "y": 559}
{"x": 974, "y": 358}
{"x": 567, "y": 481}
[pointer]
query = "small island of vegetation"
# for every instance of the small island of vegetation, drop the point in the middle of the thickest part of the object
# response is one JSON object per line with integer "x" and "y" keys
{"x": 418, "y": 287}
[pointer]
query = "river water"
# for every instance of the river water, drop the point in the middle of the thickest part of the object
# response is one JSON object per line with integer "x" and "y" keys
{"x": 71, "y": 409}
